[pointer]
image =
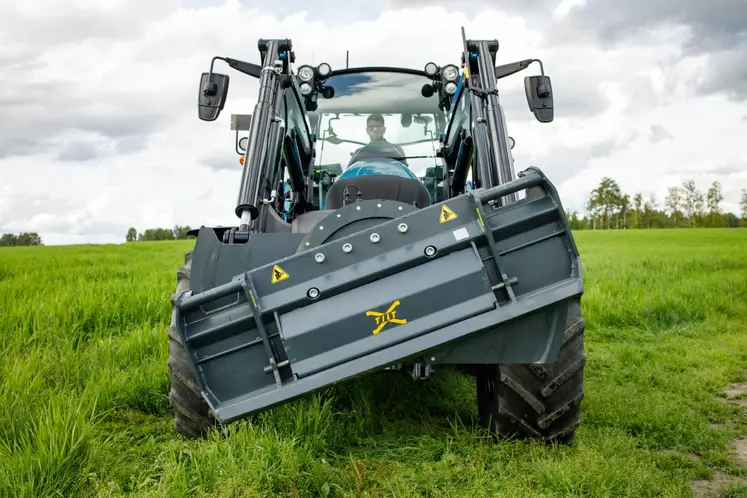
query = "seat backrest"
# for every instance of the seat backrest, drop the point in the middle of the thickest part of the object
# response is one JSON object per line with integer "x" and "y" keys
{"x": 385, "y": 187}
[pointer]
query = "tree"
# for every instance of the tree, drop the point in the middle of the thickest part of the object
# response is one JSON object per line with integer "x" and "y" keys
{"x": 649, "y": 210}
{"x": 593, "y": 210}
{"x": 180, "y": 232}
{"x": 22, "y": 239}
{"x": 731, "y": 220}
{"x": 637, "y": 210}
{"x": 672, "y": 202}
{"x": 623, "y": 204}
{"x": 743, "y": 206}
{"x": 573, "y": 221}
{"x": 8, "y": 240}
{"x": 151, "y": 234}
{"x": 604, "y": 200}
{"x": 693, "y": 201}
{"x": 714, "y": 198}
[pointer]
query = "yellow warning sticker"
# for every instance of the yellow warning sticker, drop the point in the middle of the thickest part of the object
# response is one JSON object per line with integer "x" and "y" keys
{"x": 278, "y": 274}
{"x": 447, "y": 214}
{"x": 389, "y": 316}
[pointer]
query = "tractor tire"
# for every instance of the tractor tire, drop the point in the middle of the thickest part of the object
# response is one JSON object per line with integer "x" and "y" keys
{"x": 192, "y": 416}
{"x": 537, "y": 401}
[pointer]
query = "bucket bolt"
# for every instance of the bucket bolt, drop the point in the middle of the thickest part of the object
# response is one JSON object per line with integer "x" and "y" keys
{"x": 347, "y": 247}
{"x": 375, "y": 238}
{"x": 313, "y": 293}
{"x": 319, "y": 257}
{"x": 402, "y": 227}
{"x": 430, "y": 251}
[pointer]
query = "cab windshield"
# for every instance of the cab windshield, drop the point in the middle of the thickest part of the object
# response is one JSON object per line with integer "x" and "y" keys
{"x": 348, "y": 125}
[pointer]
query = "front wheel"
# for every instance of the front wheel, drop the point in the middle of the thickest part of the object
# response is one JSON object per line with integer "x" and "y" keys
{"x": 539, "y": 401}
{"x": 192, "y": 416}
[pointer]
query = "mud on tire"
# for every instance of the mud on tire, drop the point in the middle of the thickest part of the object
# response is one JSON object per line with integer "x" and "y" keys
{"x": 192, "y": 415}
{"x": 537, "y": 401}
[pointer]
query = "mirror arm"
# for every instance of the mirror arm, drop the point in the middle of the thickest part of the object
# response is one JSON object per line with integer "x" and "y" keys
{"x": 212, "y": 64}
{"x": 515, "y": 67}
{"x": 542, "y": 67}
{"x": 244, "y": 67}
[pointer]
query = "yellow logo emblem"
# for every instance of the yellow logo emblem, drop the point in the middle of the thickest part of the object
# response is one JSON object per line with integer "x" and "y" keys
{"x": 389, "y": 316}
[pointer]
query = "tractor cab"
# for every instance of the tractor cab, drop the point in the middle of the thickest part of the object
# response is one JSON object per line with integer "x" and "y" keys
{"x": 378, "y": 134}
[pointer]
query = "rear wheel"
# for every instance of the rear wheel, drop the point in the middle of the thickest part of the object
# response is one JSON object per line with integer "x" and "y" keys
{"x": 539, "y": 401}
{"x": 192, "y": 415}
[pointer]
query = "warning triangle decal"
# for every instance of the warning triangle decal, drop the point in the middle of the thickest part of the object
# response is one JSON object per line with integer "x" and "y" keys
{"x": 278, "y": 274}
{"x": 447, "y": 214}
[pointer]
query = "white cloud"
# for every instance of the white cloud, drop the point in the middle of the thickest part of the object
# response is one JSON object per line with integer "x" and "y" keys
{"x": 100, "y": 111}
{"x": 565, "y": 6}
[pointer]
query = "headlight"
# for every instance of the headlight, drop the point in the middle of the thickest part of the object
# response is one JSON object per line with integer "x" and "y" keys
{"x": 323, "y": 70}
{"x": 431, "y": 69}
{"x": 305, "y": 88}
{"x": 305, "y": 73}
{"x": 450, "y": 72}
{"x": 450, "y": 87}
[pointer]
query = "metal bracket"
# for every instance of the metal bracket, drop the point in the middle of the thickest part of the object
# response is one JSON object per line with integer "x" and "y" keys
{"x": 421, "y": 371}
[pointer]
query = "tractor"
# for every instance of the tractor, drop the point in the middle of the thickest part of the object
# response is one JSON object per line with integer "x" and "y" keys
{"x": 380, "y": 224}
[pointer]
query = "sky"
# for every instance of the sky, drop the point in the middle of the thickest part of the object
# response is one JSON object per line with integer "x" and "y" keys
{"x": 99, "y": 129}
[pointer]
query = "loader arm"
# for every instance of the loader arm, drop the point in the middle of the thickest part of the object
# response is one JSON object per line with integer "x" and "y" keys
{"x": 279, "y": 134}
{"x": 477, "y": 135}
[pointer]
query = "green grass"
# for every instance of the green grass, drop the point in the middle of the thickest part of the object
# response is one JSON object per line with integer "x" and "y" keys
{"x": 84, "y": 408}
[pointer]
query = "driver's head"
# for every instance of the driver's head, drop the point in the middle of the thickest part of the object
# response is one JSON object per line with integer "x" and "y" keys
{"x": 375, "y": 127}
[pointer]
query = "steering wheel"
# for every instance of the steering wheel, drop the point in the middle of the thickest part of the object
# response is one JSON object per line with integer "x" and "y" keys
{"x": 375, "y": 150}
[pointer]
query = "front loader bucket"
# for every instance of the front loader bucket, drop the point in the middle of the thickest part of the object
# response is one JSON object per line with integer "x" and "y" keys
{"x": 459, "y": 281}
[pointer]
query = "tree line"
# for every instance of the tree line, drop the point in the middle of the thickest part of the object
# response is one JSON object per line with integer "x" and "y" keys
{"x": 608, "y": 207}
{"x": 22, "y": 239}
{"x": 685, "y": 206}
{"x": 150, "y": 234}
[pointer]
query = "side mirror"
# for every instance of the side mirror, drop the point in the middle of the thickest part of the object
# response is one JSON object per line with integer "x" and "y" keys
{"x": 511, "y": 143}
{"x": 539, "y": 97}
{"x": 212, "y": 95}
{"x": 243, "y": 144}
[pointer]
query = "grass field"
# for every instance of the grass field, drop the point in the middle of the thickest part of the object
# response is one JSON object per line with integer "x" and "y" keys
{"x": 84, "y": 386}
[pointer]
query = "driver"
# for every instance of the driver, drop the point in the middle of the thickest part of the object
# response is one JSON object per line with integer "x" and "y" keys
{"x": 375, "y": 128}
